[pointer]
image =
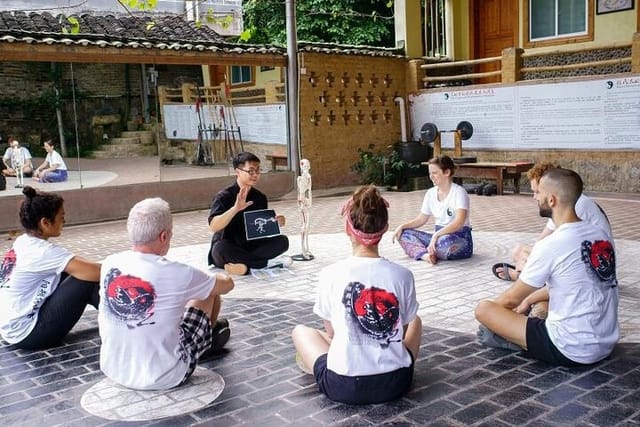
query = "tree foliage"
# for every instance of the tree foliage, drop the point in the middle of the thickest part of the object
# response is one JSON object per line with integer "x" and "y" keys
{"x": 353, "y": 22}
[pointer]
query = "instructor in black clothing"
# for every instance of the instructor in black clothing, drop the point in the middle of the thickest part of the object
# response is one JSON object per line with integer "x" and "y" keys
{"x": 230, "y": 248}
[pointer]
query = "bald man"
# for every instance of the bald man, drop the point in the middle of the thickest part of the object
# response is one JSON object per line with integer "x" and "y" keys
{"x": 577, "y": 265}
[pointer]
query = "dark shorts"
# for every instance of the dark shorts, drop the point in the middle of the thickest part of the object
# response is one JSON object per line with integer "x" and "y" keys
{"x": 539, "y": 345}
{"x": 365, "y": 389}
{"x": 197, "y": 336}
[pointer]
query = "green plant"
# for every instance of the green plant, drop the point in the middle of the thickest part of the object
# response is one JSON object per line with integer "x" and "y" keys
{"x": 382, "y": 168}
{"x": 370, "y": 166}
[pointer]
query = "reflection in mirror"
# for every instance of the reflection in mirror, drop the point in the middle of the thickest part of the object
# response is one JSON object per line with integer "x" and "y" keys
{"x": 224, "y": 110}
{"x": 99, "y": 115}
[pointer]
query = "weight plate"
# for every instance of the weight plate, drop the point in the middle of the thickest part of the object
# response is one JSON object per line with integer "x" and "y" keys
{"x": 429, "y": 132}
{"x": 466, "y": 129}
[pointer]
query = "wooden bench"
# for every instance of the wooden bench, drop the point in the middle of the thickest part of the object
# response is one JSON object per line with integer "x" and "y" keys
{"x": 277, "y": 161}
{"x": 498, "y": 171}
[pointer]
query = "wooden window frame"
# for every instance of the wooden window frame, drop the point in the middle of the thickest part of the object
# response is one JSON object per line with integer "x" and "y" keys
{"x": 251, "y": 82}
{"x": 560, "y": 40}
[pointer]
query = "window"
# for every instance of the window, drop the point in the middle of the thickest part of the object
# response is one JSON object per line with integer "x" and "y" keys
{"x": 241, "y": 75}
{"x": 558, "y": 21}
{"x": 435, "y": 28}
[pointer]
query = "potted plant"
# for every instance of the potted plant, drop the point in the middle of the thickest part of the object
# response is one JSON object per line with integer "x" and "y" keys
{"x": 383, "y": 169}
{"x": 370, "y": 166}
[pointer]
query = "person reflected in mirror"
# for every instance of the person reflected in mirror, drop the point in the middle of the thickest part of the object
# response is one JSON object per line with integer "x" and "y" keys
{"x": 17, "y": 156}
{"x": 371, "y": 338}
{"x": 230, "y": 248}
{"x": 53, "y": 169}
{"x": 448, "y": 203}
{"x": 44, "y": 288}
{"x": 158, "y": 318}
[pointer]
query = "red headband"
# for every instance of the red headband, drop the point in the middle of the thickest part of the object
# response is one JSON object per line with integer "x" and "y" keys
{"x": 367, "y": 239}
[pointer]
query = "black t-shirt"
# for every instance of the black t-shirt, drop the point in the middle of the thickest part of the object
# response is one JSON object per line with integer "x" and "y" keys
{"x": 223, "y": 201}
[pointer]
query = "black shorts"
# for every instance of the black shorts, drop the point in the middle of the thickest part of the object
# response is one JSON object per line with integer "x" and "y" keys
{"x": 539, "y": 345}
{"x": 364, "y": 389}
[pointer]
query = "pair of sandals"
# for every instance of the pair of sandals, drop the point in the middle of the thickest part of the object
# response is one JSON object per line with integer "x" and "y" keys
{"x": 505, "y": 271}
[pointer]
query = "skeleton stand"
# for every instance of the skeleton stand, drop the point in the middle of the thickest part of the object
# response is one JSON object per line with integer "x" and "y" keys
{"x": 17, "y": 161}
{"x": 304, "y": 207}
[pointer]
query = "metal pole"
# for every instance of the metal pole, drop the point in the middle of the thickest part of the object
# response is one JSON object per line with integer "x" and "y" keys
{"x": 292, "y": 86}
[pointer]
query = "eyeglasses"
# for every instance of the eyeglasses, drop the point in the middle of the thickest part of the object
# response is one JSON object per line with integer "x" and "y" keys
{"x": 251, "y": 171}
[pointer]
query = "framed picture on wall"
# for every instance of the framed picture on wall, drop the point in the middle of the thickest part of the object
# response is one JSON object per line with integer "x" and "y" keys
{"x": 608, "y": 6}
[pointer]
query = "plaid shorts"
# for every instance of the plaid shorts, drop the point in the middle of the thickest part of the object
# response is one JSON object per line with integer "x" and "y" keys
{"x": 197, "y": 337}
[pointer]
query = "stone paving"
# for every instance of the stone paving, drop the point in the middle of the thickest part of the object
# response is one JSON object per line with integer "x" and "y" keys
{"x": 457, "y": 381}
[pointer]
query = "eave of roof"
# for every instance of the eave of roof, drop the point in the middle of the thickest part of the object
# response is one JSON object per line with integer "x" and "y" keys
{"x": 44, "y": 37}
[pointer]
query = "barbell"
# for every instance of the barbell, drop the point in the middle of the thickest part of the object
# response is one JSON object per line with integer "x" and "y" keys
{"x": 429, "y": 131}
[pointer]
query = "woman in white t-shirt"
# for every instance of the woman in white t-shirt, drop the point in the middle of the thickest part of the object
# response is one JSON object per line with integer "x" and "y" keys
{"x": 448, "y": 203}
{"x": 53, "y": 169}
{"x": 44, "y": 288}
{"x": 372, "y": 333}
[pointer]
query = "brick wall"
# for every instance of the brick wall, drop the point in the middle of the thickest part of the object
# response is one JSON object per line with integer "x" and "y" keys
{"x": 336, "y": 118}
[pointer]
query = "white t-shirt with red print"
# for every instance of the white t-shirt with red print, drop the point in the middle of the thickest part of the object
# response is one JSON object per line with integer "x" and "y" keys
{"x": 142, "y": 303}
{"x": 30, "y": 273}
{"x": 368, "y": 301}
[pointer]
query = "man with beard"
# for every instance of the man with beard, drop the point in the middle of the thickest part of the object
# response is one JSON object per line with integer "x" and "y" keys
{"x": 574, "y": 270}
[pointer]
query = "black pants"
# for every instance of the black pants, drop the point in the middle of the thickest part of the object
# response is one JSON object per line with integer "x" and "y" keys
{"x": 60, "y": 312}
{"x": 254, "y": 254}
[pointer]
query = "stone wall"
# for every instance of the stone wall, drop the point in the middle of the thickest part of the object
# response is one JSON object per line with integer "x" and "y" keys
{"x": 346, "y": 103}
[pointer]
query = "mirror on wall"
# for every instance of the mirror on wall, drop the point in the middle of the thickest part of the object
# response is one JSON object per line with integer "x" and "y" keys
{"x": 97, "y": 115}
{"x": 120, "y": 124}
{"x": 225, "y": 109}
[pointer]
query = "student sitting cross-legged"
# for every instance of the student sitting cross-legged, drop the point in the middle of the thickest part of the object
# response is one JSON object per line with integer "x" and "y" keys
{"x": 574, "y": 270}
{"x": 158, "y": 318}
{"x": 371, "y": 336}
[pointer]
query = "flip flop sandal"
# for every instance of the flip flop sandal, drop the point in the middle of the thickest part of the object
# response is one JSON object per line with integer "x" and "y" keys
{"x": 505, "y": 271}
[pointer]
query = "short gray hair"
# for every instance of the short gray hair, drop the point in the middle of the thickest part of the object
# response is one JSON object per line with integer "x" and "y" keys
{"x": 147, "y": 219}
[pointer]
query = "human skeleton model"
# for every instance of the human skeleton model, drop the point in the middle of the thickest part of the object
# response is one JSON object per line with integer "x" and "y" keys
{"x": 17, "y": 163}
{"x": 304, "y": 205}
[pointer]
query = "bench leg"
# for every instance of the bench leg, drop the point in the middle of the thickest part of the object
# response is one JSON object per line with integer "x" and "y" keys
{"x": 500, "y": 181}
{"x": 516, "y": 183}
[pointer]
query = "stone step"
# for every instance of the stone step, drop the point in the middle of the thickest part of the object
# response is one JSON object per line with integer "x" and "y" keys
{"x": 118, "y": 151}
{"x": 145, "y": 136}
{"x": 124, "y": 141}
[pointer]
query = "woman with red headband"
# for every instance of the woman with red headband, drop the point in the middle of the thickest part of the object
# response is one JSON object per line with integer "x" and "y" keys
{"x": 372, "y": 332}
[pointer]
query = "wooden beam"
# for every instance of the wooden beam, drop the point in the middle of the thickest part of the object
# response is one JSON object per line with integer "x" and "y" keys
{"x": 112, "y": 55}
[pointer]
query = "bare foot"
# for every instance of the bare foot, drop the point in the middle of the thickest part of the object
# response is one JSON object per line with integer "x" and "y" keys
{"x": 430, "y": 258}
{"x": 236, "y": 269}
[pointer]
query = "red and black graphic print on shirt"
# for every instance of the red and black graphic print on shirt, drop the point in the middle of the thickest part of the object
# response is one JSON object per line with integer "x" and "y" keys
{"x": 129, "y": 298}
{"x": 8, "y": 262}
{"x": 600, "y": 258}
{"x": 375, "y": 310}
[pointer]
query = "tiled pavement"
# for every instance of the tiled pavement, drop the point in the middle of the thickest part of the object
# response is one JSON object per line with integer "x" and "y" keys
{"x": 457, "y": 381}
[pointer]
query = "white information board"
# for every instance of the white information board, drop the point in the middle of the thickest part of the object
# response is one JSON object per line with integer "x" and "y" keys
{"x": 266, "y": 123}
{"x": 601, "y": 114}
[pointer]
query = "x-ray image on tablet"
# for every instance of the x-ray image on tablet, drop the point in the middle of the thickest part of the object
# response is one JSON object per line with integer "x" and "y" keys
{"x": 261, "y": 223}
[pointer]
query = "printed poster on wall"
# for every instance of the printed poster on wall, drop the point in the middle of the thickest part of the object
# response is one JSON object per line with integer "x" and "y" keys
{"x": 601, "y": 114}
{"x": 266, "y": 123}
